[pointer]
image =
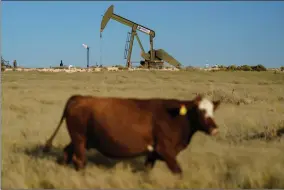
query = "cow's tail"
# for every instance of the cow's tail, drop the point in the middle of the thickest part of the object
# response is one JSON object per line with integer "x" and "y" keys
{"x": 48, "y": 143}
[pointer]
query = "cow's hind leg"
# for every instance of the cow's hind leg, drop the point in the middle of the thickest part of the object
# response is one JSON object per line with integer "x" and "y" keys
{"x": 151, "y": 159}
{"x": 68, "y": 154}
{"x": 79, "y": 156}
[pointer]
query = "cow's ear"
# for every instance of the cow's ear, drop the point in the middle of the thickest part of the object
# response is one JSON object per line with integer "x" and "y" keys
{"x": 182, "y": 110}
{"x": 216, "y": 104}
{"x": 197, "y": 99}
{"x": 173, "y": 111}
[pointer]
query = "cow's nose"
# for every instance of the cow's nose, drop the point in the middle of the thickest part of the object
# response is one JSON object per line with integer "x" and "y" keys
{"x": 214, "y": 132}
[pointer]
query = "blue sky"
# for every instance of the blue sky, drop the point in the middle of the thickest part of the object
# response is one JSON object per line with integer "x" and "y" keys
{"x": 40, "y": 34}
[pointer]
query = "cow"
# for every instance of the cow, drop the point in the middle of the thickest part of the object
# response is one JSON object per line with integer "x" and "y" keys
{"x": 128, "y": 127}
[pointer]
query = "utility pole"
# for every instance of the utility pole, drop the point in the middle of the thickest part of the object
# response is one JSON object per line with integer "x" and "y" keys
{"x": 88, "y": 57}
{"x": 88, "y": 48}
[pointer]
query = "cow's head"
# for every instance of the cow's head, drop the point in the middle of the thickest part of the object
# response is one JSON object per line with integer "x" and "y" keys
{"x": 200, "y": 114}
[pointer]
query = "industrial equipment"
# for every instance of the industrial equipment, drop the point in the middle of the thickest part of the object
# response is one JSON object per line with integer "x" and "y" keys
{"x": 154, "y": 58}
{"x": 5, "y": 64}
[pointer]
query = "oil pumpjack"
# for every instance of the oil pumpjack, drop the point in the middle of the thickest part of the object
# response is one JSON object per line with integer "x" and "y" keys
{"x": 152, "y": 59}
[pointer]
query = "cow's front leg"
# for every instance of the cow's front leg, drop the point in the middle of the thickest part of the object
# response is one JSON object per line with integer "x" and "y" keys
{"x": 169, "y": 156}
{"x": 173, "y": 165}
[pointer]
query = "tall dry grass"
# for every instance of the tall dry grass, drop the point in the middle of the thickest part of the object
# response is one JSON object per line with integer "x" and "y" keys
{"x": 248, "y": 152}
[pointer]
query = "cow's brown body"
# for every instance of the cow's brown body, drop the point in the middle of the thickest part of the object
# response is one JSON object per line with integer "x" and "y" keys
{"x": 121, "y": 128}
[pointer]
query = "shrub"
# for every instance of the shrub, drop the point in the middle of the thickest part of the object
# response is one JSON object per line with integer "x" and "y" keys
{"x": 258, "y": 68}
{"x": 222, "y": 67}
{"x": 120, "y": 67}
{"x": 61, "y": 67}
{"x": 103, "y": 68}
{"x": 282, "y": 68}
{"x": 232, "y": 68}
{"x": 245, "y": 68}
{"x": 189, "y": 68}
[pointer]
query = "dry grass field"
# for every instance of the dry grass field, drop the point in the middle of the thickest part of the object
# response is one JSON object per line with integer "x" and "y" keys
{"x": 247, "y": 153}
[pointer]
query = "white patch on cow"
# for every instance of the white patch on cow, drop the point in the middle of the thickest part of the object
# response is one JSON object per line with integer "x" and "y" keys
{"x": 207, "y": 106}
{"x": 150, "y": 148}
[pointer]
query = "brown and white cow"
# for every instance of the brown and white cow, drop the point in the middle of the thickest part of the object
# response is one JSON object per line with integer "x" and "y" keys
{"x": 121, "y": 128}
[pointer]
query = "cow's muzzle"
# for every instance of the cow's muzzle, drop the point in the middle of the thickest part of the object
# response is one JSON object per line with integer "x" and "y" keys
{"x": 214, "y": 131}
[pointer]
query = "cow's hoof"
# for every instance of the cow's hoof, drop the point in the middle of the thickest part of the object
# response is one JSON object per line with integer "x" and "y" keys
{"x": 147, "y": 168}
{"x": 61, "y": 161}
{"x": 79, "y": 168}
{"x": 46, "y": 148}
{"x": 179, "y": 176}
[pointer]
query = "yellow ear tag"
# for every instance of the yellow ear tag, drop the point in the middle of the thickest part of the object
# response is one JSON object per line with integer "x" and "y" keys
{"x": 182, "y": 110}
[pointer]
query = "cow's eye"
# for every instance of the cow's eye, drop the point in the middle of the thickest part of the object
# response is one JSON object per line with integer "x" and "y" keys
{"x": 203, "y": 112}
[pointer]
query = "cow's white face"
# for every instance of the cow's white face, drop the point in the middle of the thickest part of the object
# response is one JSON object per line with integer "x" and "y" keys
{"x": 205, "y": 110}
{"x": 207, "y": 106}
